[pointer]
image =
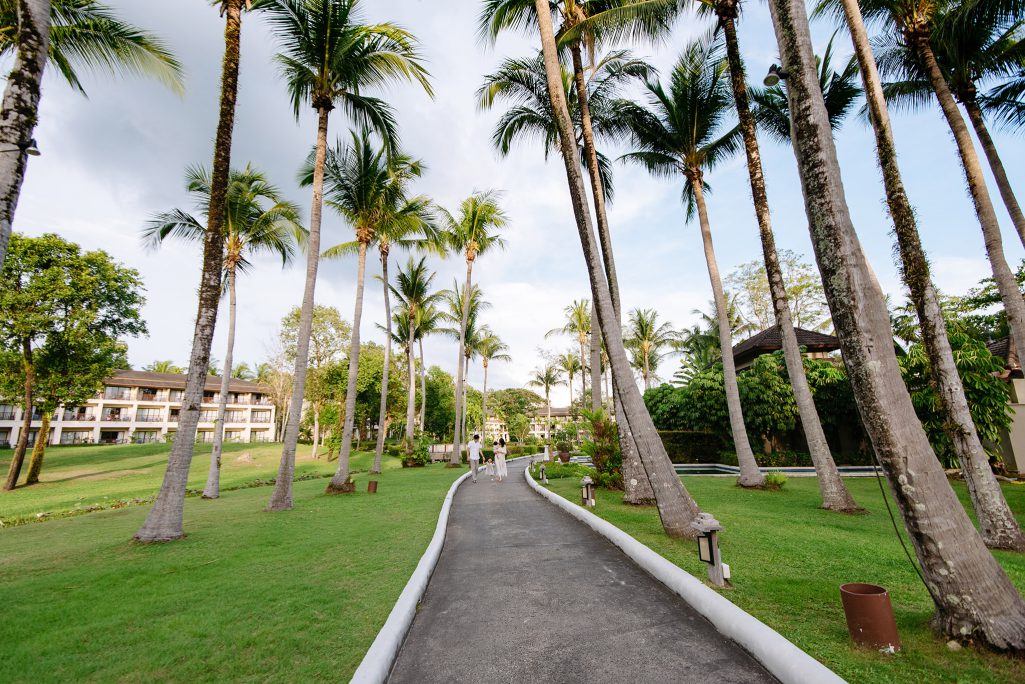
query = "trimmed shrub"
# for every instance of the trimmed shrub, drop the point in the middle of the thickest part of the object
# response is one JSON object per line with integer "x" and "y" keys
{"x": 775, "y": 480}
{"x": 686, "y": 446}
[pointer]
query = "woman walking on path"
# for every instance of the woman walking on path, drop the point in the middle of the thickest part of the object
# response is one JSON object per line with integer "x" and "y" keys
{"x": 501, "y": 471}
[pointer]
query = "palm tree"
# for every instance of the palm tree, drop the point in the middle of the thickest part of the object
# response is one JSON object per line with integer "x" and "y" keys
{"x": 164, "y": 521}
{"x": 369, "y": 189}
{"x": 972, "y": 45}
{"x": 999, "y": 527}
{"x": 569, "y": 363}
{"x": 475, "y": 303}
{"x": 546, "y": 378}
{"x": 67, "y": 34}
{"x": 491, "y": 348}
{"x": 256, "y": 219}
{"x": 243, "y": 371}
{"x": 976, "y": 598}
{"x": 675, "y": 506}
{"x": 578, "y": 324}
{"x": 648, "y": 340}
{"x": 330, "y": 57}
{"x": 428, "y": 322}
{"x": 683, "y": 136}
{"x": 473, "y": 231}
{"x": 164, "y": 366}
{"x": 412, "y": 289}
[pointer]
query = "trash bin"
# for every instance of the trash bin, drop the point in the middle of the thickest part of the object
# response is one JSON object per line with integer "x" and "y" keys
{"x": 372, "y": 486}
{"x": 869, "y": 615}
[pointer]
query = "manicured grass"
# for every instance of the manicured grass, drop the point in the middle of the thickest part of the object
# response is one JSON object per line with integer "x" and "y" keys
{"x": 80, "y": 476}
{"x": 247, "y": 596}
{"x": 788, "y": 559}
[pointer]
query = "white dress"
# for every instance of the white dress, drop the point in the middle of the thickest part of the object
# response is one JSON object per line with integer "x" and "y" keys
{"x": 500, "y": 469}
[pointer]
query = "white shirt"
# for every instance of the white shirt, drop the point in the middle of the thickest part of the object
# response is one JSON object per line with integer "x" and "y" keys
{"x": 474, "y": 449}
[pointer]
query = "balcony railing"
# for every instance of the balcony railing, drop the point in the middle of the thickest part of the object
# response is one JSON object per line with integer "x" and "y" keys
{"x": 150, "y": 396}
{"x": 173, "y": 418}
{"x": 149, "y": 418}
{"x": 119, "y": 396}
{"x": 116, "y": 418}
{"x": 6, "y": 415}
{"x": 262, "y": 420}
{"x": 78, "y": 417}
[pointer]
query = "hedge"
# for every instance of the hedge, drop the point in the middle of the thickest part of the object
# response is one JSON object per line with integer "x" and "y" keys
{"x": 685, "y": 446}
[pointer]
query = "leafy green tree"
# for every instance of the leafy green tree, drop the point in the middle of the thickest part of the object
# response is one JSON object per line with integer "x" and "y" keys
{"x": 518, "y": 426}
{"x": 515, "y": 401}
{"x": 58, "y": 301}
{"x": 329, "y": 58}
{"x": 749, "y": 284}
{"x": 547, "y": 378}
{"x": 440, "y": 409}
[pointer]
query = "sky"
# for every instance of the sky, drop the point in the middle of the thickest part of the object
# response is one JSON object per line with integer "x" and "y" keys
{"x": 112, "y": 160}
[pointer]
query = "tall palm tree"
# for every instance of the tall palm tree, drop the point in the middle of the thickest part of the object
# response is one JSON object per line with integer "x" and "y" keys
{"x": 491, "y": 348}
{"x": 164, "y": 521}
{"x": 547, "y": 378}
{"x": 163, "y": 366}
{"x": 412, "y": 289}
{"x": 999, "y": 527}
{"x": 257, "y": 219}
{"x": 649, "y": 341}
{"x": 330, "y": 58}
{"x": 972, "y": 45}
{"x": 369, "y": 189}
{"x": 473, "y": 231}
{"x": 676, "y": 508}
{"x": 569, "y": 363}
{"x": 429, "y": 321}
{"x": 683, "y": 135}
{"x": 973, "y": 596}
{"x": 470, "y": 333}
{"x": 578, "y": 325}
{"x": 67, "y": 34}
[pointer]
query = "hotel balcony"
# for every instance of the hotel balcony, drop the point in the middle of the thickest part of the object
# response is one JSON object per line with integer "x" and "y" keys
{"x": 77, "y": 417}
{"x": 115, "y": 418}
{"x": 7, "y": 415}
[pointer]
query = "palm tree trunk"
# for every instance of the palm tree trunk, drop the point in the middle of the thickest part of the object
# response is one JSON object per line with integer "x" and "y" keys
{"x": 675, "y": 506}
{"x": 999, "y": 527}
{"x": 337, "y": 483}
{"x": 973, "y": 596}
{"x": 410, "y": 395}
{"x": 20, "y": 107}
{"x": 750, "y": 475}
{"x": 18, "y": 457}
{"x": 647, "y": 373}
{"x": 835, "y": 496}
{"x": 383, "y": 413}
{"x": 1014, "y": 304}
{"x": 35, "y": 464}
{"x": 996, "y": 165}
{"x": 548, "y": 419}
{"x": 637, "y": 489}
{"x": 423, "y": 385}
{"x": 466, "y": 375}
{"x": 213, "y": 479}
{"x": 570, "y": 390}
{"x": 596, "y": 374}
{"x": 164, "y": 521}
{"x": 281, "y": 498}
{"x": 460, "y": 378}
{"x": 314, "y": 450}
{"x": 484, "y": 403}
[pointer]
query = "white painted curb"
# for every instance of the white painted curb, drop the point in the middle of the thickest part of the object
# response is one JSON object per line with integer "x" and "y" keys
{"x": 782, "y": 658}
{"x": 378, "y": 661}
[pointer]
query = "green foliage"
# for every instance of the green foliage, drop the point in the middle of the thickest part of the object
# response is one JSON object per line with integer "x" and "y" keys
{"x": 440, "y": 412}
{"x": 685, "y": 446}
{"x": 421, "y": 455}
{"x": 519, "y": 427}
{"x": 515, "y": 401}
{"x": 804, "y": 293}
{"x": 770, "y": 409}
{"x": 603, "y": 448}
{"x": 556, "y": 471}
{"x": 987, "y": 394}
{"x": 775, "y": 480}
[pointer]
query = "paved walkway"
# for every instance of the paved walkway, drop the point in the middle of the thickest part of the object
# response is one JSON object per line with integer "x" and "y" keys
{"x": 525, "y": 593}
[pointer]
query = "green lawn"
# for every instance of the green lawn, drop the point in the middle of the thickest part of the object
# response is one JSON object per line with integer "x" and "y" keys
{"x": 80, "y": 476}
{"x": 788, "y": 559}
{"x": 247, "y": 596}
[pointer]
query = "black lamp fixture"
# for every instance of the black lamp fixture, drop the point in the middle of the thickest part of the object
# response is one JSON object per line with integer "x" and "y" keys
{"x": 775, "y": 75}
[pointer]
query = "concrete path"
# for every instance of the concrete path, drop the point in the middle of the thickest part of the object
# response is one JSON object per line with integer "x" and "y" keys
{"x": 525, "y": 593}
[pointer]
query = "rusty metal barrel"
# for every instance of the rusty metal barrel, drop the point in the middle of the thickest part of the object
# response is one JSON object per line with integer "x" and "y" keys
{"x": 869, "y": 615}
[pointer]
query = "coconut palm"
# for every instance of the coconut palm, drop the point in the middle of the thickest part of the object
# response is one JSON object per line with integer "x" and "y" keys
{"x": 648, "y": 341}
{"x": 683, "y": 134}
{"x": 676, "y": 508}
{"x": 412, "y": 289}
{"x": 569, "y": 363}
{"x": 329, "y": 59}
{"x": 369, "y": 190}
{"x": 66, "y": 34}
{"x": 472, "y": 231}
{"x": 164, "y": 521}
{"x": 998, "y": 524}
{"x": 243, "y": 371}
{"x": 976, "y": 598}
{"x": 547, "y": 378}
{"x": 578, "y": 325}
{"x": 164, "y": 366}
{"x": 469, "y": 333}
{"x": 257, "y": 219}
{"x": 490, "y": 348}
{"x": 429, "y": 321}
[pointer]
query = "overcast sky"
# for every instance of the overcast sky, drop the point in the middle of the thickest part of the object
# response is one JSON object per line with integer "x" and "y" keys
{"x": 112, "y": 160}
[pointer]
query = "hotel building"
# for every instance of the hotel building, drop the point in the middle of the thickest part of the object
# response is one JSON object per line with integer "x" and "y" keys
{"x": 141, "y": 407}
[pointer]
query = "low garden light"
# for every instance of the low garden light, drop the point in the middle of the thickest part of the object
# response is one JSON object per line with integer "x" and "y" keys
{"x": 708, "y": 529}
{"x": 587, "y": 491}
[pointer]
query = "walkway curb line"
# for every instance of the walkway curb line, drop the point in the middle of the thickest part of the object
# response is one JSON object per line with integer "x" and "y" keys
{"x": 380, "y": 657}
{"x": 780, "y": 657}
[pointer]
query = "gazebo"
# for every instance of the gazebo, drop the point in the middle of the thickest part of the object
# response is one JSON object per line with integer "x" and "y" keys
{"x": 816, "y": 345}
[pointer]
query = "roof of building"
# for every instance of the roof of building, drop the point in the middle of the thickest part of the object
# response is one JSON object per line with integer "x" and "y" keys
{"x": 769, "y": 340}
{"x": 133, "y": 378}
{"x": 1004, "y": 349}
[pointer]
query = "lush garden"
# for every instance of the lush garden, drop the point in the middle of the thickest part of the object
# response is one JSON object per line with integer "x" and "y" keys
{"x": 788, "y": 558}
{"x": 247, "y": 596}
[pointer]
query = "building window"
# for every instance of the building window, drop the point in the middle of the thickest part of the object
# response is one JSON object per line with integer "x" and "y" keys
{"x": 261, "y": 416}
{"x": 79, "y": 413}
{"x": 234, "y": 416}
{"x": 208, "y": 415}
{"x": 260, "y": 436}
{"x": 205, "y": 437}
{"x": 116, "y": 415}
{"x": 146, "y": 436}
{"x": 120, "y": 393}
{"x": 175, "y": 395}
{"x": 233, "y": 436}
{"x": 76, "y": 437}
{"x": 6, "y": 412}
{"x": 149, "y": 415}
{"x": 149, "y": 394}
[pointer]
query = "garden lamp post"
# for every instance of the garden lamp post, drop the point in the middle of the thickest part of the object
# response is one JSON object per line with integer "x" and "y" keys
{"x": 708, "y": 529}
{"x": 587, "y": 491}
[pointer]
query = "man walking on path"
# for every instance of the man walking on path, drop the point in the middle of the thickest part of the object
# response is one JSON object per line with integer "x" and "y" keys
{"x": 474, "y": 448}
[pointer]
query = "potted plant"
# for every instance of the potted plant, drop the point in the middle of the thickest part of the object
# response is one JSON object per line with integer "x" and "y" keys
{"x": 563, "y": 449}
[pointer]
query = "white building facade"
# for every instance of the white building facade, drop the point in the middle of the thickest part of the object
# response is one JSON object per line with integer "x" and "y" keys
{"x": 142, "y": 407}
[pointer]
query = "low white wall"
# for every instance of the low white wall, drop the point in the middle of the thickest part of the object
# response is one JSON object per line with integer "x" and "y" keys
{"x": 783, "y": 659}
